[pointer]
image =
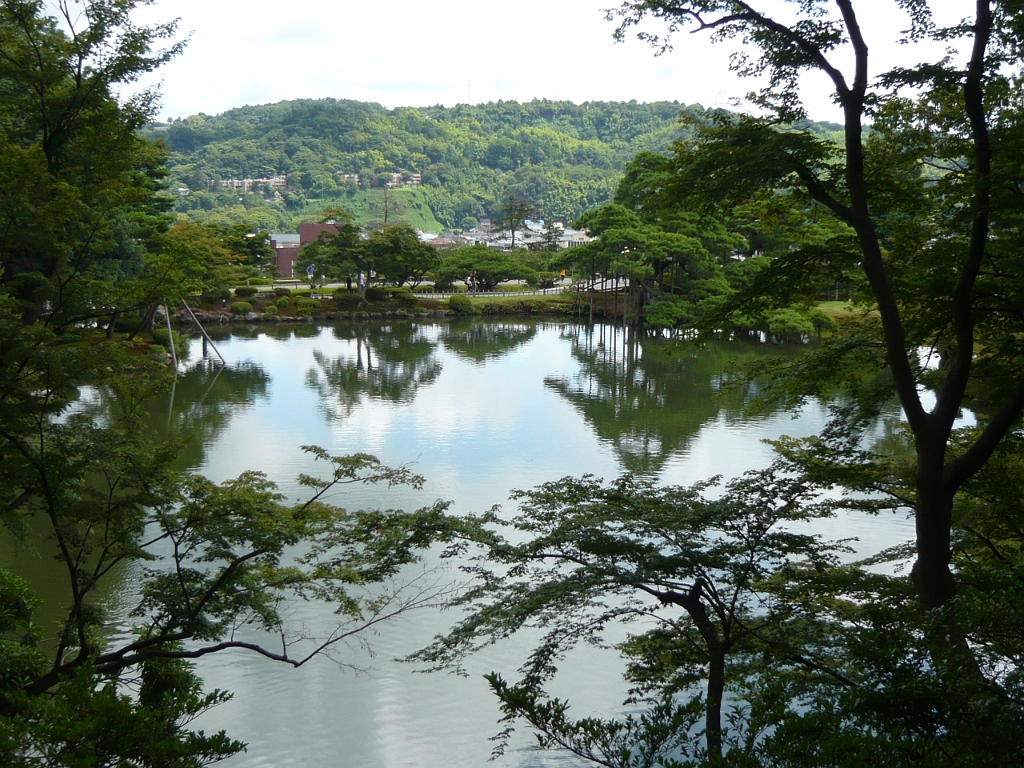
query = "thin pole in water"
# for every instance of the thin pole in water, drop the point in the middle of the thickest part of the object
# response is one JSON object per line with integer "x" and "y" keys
{"x": 202, "y": 330}
{"x": 170, "y": 336}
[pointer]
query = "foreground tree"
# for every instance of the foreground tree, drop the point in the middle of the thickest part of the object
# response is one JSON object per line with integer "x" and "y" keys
{"x": 83, "y": 237}
{"x": 78, "y": 184}
{"x": 921, "y": 215}
{"x": 902, "y": 221}
{"x": 694, "y": 567}
{"x": 212, "y": 560}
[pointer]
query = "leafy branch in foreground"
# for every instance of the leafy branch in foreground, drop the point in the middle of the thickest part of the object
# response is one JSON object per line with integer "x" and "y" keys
{"x": 215, "y": 565}
{"x": 692, "y": 570}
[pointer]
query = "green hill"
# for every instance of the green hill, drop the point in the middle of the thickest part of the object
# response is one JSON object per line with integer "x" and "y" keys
{"x": 564, "y": 157}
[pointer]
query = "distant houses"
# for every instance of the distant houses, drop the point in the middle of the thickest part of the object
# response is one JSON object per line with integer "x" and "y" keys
{"x": 280, "y": 182}
{"x": 288, "y": 245}
{"x": 248, "y": 185}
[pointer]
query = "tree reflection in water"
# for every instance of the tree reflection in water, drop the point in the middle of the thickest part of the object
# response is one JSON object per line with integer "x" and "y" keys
{"x": 202, "y": 401}
{"x": 481, "y": 341}
{"x": 647, "y": 396}
{"x": 388, "y": 362}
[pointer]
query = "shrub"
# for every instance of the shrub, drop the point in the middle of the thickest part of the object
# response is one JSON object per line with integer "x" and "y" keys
{"x": 425, "y": 289}
{"x": 127, "y": 323}
{"x": 245, "y": 292}
{"x": 180, "y": 342}
{"x": 281, "y": 291}
{"x": 270, "y": 311}
{"x": 460, "y": 305}
{"x": 259, "y": 281}
{"x": 821, "y": 321}
{"x": 789, "y": 324}
{"x": 306, "y": 307}
{"x": 376, "y": 293}
{"x": 300, "y": 292}
{"x": 343, "y": 300}
{"x": 283, "y": 302}
{"x": 69, "y": 338}
{"x": 403, "y": 297}
{"x": 241, "y": 307}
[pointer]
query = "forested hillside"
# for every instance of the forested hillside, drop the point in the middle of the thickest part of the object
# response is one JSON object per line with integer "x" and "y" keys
{"x": 565, "y": 158}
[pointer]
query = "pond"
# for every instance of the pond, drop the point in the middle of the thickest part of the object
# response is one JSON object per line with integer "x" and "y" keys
{"x": 479, "y": 408}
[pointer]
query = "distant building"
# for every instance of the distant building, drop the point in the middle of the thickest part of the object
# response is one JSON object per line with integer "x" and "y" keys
{"x": 286, "y": 250}
{"x": 310, "y": 231}
{"x": 247, "y": 185}
{"x": 399, "y": 180}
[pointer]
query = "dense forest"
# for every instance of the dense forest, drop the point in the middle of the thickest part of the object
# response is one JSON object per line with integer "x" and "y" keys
{"x": 564, "y": 158}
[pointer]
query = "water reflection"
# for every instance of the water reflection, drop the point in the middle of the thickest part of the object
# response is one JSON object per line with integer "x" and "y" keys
{"x": 481, "y": 342}
{"x": 649, "y": 397}
{"x": 202, "y": 401}
{"x": 389, "y": 363}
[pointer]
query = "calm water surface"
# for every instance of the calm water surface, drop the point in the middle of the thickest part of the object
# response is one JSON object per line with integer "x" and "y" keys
{"x": 479, "y": 409}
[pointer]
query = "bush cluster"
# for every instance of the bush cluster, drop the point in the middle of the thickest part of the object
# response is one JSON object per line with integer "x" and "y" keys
{"x": 283, "y": 302}
{"x": 127, "y": 323}
{"x": 306, "y": 307}
{"x": 241, "y": 307}
{"x": 460, "y": 305}
{"x": 345, "y": 301}
{"x": 403, "y": 297}
{"x": 517, "y": 307}
{"x": 245, "y": 292}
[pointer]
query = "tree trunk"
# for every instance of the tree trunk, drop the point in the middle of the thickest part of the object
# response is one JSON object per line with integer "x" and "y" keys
{"x": 713, "y": 706}
{"x": 933, "y": 518}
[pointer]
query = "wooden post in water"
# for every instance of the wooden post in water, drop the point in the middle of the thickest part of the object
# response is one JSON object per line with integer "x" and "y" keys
{"x": 591, "y": 290}
{"x": 206, "y": 336}
{"x": 170, "y": 336}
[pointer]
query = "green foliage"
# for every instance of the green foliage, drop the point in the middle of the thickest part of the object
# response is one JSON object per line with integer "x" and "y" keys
{"x": 345, "y": 300}
{"x": 398, "y": 256}
{"x": 460, "y": 305}
{"x": 563, "y": 158}
{"x": 283, "y": 302}
{"x": 241, "y": 308}
{"x": 492, "y": 267}
{"x": 270, "y": 311}
{"x": 789, "y": 324}
{"x": 582, "y": 555}
{"x": 92, "y": 721}
{"x": 403, "y": 297}
{"x": 307, "y": 307}
{"x": 161, "y": 337}
{"x": 245, "y": 292}
{"x": 376, "y": 293}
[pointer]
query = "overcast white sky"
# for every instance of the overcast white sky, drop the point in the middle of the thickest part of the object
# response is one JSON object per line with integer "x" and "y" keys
{"x": 426, "y": 52}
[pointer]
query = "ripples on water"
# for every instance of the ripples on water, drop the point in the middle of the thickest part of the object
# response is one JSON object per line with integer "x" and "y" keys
{"x": 478, "y": 409}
